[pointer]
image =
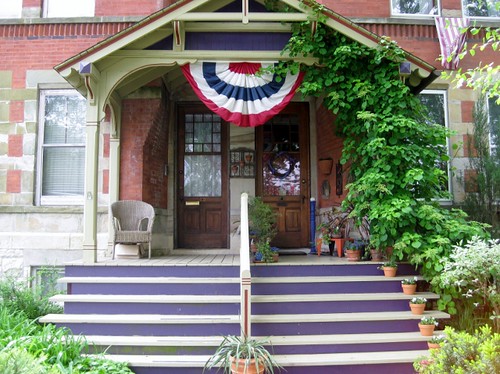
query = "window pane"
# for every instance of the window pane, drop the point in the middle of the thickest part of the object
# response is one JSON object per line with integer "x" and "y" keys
{"x": 481, "y": 8}
{"x": 64, "y": 119}
{"x": 11, "y": 8}
{"x": 202, "y": 175}
{"x": 69, "y": 8}
{"x": 494, "y": 117}
{"x": 63, "y": 171}
{"x": 424, "y": 7}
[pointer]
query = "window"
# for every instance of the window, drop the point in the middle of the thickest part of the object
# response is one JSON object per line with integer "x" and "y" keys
{"x": 494, "y": 119}
{"x": 11, "y": 8}
{"x": 435, "y": 102}
{"x": 415, "y": 7}
{"x": 68, "y": 8}
{"x": 44, "y": 279}
{"x": 481, "y": 8}
{"x": 61, "y": 157}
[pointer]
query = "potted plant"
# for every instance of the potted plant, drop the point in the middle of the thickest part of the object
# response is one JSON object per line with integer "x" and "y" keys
{"x": 427, "y": 326}
{"x": 240, "y": 354}
{"x": 390, "y": 268}
{"x": 417, "y": 305}
{"x": 376, "y": 254}
{"x": 409, "y": 285}
{"x": 262, "y": 219}
{"x": 435, "y": 341}
{"x": 352, "y": 251}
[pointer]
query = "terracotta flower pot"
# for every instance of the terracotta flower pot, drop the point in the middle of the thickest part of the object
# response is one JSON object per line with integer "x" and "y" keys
{"x": 376, "y": 255}
{"x": 426, "y": 330}
{"x": 238, "y": 367}
{"x": 389, "y": 271}
{"x": 409, "y": 289}
{"x": 433, "y": 345}
{"x": 417, "y": 308}
{"x": 353, "y": 255}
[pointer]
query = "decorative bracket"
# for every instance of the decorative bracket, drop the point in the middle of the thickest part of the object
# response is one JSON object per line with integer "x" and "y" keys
{"x": 90, "y": 77}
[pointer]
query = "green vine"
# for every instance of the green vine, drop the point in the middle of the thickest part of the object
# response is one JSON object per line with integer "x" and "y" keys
{"x": 391, "y": 148}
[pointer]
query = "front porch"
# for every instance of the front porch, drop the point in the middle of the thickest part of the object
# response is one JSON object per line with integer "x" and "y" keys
{"x": 167, "y": 314}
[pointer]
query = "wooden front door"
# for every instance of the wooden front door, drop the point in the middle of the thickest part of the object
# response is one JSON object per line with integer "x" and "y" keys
{"x": 202, "y": 186}
{"x": 283, "y": 178}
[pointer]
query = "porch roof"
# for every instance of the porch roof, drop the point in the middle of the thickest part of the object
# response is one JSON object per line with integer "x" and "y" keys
{"x": 127, "y": 54}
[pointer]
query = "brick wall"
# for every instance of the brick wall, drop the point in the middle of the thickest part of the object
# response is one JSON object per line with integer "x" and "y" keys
{"x": 144, "y": 151}
{"x": 329, "y": 145}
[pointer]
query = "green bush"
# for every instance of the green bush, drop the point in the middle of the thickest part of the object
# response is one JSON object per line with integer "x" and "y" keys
{"x": 19, "y": 361}
{"x": 463, "y": 353}
{"x": 470, "y": 274}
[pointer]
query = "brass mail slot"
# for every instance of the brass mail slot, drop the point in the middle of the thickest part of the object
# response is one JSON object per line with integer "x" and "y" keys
{"x": 192, "y": 203}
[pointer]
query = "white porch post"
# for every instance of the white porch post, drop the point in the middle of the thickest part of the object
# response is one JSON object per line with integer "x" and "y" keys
{"x": 92, "y": 129}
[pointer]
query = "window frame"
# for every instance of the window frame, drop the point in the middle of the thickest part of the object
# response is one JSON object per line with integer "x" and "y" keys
{"x": 41, "y": 199}
{"x": 493, "y": 146}
{"x": 46, "y": 9}
{"x": 444, "y": 93}
{"x": 415, "y": 15}
{"x": 466, "y": 15}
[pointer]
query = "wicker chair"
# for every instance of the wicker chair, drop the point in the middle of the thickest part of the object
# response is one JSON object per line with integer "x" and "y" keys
{"x": 132, "y": 223}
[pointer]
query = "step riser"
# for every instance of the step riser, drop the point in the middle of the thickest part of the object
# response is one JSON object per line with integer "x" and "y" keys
{"x": 326, "y": 288}
{"x": 405, "y": 368}
{"x": 152, "y": 308}
{"x": 262, "y": 329}
{"x": 225, "y": 309}
{"x": 264, "y": 270}
{"x": 155, "y": 289}
{"x": 277, "y": 349}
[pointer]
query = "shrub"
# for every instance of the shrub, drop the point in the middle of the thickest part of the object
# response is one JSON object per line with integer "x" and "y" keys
{"x": 464, "y": 353}
{"x": 18, "y": 361}
{"x": 471, "y": 275}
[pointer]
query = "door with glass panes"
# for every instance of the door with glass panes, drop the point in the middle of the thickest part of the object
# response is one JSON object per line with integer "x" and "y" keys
{"x": 202, "y": 185}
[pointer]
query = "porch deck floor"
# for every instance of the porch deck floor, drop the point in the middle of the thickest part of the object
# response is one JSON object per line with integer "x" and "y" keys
{"x": 192, "y": 258}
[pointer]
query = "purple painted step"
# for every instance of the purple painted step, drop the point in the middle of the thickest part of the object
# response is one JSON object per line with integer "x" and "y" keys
{"x": 152, "y": 271}
{"x": 152, "y": 308}
{"x": 368, "y": 286}
{"x": 330, "y": 307}
{"x": 342, "y": 327}
{"x": 154, "y": 289}
{"x": 403, "y": 368}
{"x": 114, "y": 329}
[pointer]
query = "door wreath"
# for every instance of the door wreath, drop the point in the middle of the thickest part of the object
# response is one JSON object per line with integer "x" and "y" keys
{"x": 273, "y": 168}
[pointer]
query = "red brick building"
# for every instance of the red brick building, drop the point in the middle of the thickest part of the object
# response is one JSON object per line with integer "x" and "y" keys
{"x": 64, "y": 158}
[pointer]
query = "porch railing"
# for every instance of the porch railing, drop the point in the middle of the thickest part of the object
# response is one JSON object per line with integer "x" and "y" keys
{"x": 245, "y": 275}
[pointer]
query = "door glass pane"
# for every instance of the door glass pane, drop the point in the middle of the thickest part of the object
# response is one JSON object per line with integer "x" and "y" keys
{"x": 202, "y": 175}
{"x": 281, "y": 157}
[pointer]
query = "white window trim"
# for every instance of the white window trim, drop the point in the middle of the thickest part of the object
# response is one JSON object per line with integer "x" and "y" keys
{"x": 45, "y": 10}
{"x": 448, "y": 141}
{"x": 39, "y": 198}
{"x": 490, "y": 138}
{"x": 416, "y": 15}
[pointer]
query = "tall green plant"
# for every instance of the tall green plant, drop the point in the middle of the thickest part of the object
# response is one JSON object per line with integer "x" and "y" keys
{"x": 484, "y": 185}
{"x": 393, "y": 151}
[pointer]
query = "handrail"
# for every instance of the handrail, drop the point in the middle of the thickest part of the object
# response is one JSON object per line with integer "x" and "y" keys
{"x": 245, "y": 275}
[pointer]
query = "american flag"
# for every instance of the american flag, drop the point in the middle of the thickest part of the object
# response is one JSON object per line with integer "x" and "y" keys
{"x": 451, "y": 39}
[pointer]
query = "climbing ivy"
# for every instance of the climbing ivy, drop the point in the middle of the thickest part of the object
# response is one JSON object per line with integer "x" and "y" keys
{"x": 391, "y": 148}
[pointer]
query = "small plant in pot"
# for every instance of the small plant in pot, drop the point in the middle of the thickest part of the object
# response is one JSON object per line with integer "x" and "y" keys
{"x": 244, "y": 355}
{"x": 353, "y": 250}
{"x": 263, "y": 223}
{"x": 436, "y": 341}
{"x": 417, "y": 305}
{"x": 390, "y": 268}
{"x": 427, "y": 326}
{"x": 409, "y": 285}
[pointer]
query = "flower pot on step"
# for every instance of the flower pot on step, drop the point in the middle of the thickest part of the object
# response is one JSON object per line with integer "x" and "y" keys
{"x": 417, "y": 308}
{"x": 389, "y": 271}
{"x": 353, "y": 255}
{"x": 433, "y": 345}
{"x": 409, "y": 289}
{"x": 426, "y": 330}
{"x": 238, "y": 367}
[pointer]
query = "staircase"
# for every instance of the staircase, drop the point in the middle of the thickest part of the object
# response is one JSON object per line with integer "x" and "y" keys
{"x": 334, "y": 317}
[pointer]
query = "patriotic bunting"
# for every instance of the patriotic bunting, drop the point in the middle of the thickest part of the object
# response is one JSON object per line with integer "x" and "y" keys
{"x": 236, "y": 93}
{"x": 451, "y": 39}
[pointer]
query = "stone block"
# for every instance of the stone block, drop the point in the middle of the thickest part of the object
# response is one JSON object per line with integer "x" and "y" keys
{"x": 4, "y": 112}
{"x": 30, "y": 111}
{"x": 35, "y": 77}
{"x": 5, "y": 79}
{"x": 49, "y": 240}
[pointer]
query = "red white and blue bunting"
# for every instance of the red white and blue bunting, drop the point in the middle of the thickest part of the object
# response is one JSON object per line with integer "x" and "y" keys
{"x": 237, "y": 94}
